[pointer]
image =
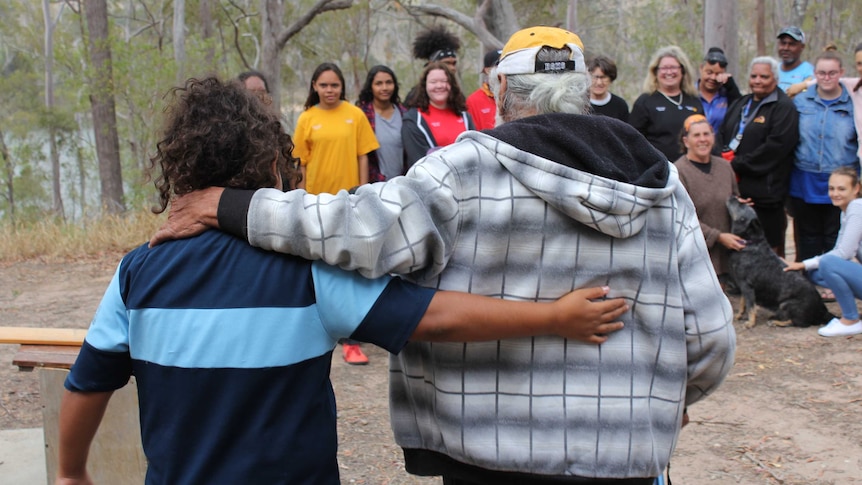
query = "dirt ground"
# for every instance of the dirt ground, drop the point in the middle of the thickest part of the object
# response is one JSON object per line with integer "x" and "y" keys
{"x": 788, "y": 414}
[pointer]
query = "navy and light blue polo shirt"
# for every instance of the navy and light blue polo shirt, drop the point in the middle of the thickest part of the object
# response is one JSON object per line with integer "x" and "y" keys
{"x": 231, "y": 348}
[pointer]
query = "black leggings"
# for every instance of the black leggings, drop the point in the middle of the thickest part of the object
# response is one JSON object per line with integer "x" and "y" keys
{"x": 774, "y": 222}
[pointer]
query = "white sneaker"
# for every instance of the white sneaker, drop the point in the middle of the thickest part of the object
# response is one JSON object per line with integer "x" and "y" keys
{"x": 837, "y": 329}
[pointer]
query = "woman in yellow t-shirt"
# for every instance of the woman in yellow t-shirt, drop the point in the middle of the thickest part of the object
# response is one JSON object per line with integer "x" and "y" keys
{"x": 332, "y": 137}
{"x": 332, "y": 141}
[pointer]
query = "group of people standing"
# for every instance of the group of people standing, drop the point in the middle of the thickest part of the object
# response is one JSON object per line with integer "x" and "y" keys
{"x": 773, "y": 151}
{"x": 341, "y": 146}
{"x": 779, "y": 152}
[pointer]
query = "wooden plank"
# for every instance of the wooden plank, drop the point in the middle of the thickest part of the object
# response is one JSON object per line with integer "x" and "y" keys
{"x": 42, "y": 336}
{"x": 45, "y": 356}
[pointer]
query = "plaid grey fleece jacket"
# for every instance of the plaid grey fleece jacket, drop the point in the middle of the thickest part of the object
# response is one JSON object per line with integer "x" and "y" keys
{"x": 529, "y": 211}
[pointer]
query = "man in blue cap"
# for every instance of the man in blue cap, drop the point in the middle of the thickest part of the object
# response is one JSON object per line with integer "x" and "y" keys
{"x": 791, "y": 43}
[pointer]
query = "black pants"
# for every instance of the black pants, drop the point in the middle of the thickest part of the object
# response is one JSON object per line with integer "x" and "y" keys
{"x": 431, "y": 463}
{"x": 815, "y": 227}
{"x": 774, "y": 222}
{"x": 597, "y": 481}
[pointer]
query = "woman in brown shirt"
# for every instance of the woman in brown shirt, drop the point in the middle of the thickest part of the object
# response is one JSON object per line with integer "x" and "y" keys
{"x": 709, "y": 181}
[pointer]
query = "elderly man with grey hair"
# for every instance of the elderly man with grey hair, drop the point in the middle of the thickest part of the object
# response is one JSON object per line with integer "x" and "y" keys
{"x": 550, "y": 200}
{"x": 759, "y": 136}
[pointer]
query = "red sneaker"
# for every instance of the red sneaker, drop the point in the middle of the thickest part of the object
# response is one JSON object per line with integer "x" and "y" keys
{"x": 353, "y": 354}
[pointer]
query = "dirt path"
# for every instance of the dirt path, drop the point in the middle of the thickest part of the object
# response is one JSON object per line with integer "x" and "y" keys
{"x": 788, "y": 414}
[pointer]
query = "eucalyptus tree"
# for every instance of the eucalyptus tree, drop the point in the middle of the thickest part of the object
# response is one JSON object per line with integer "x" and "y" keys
{"x": 50, "y": 26}
{"x": 275, "y": 35}
{"x": 104, "y": 109}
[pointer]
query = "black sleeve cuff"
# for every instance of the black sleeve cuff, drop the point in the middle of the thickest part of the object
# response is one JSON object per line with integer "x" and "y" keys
{"x": 233, "y": 211}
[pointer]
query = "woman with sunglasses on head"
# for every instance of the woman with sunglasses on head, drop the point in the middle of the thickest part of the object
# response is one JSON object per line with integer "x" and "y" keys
{"x": 716, "y": 88}
{"x": 827, "y": 140}
{"x": 669, "y": 98}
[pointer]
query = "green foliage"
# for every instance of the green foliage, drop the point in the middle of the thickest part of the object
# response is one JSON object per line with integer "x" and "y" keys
{"x": 371, "y": 32}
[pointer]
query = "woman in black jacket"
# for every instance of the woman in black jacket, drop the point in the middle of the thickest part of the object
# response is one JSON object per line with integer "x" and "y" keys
{"x": 759, "y": 135}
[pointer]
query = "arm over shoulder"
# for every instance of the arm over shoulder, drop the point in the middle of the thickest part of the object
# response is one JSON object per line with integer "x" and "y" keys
{"x": 406, "y": 225}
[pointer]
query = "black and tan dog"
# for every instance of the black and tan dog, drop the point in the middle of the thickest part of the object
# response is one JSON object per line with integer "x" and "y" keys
{"x": 761, "y": 278}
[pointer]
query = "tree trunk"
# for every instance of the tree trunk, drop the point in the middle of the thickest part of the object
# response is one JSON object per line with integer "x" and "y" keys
{"x": 104, "y": 111}
{"x": 720, "y": 30}
{"x": 502, "y": 21}
{"x": 798, "y": 12}
{"x": 206, "y": 20}
{"x": 274, "y": 37}
{"x": 179, "y": 35}
{"x": 272, "y": 16}
{"x": 82, "y": 179}
{"x": 760, "y": 28}
{"x": 8, "y": 177}
{"x": 57, "y": 206}
{"x": 572, "y": 16}
{"x": 494, "y": 20}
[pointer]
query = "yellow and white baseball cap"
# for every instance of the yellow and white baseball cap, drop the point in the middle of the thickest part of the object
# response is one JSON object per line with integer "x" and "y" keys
{"x": 519, "y": 53}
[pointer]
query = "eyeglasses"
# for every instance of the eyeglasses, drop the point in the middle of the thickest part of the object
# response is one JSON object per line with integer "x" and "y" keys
{"x": 829, "y": 74}
{"x": 601, "y": 78}
{"x": 669, "y": 68}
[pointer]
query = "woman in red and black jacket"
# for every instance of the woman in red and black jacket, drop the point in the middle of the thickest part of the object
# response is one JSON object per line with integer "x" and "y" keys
{"x": 439, "y": 116}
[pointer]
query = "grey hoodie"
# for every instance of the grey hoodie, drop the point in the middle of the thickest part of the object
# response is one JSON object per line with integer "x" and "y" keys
{"x": 489, "y": 215}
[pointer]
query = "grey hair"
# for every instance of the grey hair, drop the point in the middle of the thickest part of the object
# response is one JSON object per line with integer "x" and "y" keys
{"x": 542, "y": 93}
{"x": 769, "y": 61}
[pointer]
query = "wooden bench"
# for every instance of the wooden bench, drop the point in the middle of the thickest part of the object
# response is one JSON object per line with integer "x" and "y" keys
{"x": 116, "y": 455}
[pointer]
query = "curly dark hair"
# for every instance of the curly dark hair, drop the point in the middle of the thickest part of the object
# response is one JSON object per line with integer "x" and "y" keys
{"x": 217, "y": 134}
{"x": 456, "y": 101}
{"x": 367, "y": 96}
{"x": 434, "y": 39}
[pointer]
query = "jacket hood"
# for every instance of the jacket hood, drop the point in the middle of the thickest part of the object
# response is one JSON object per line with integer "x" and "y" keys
{"x": 597, "y": 170}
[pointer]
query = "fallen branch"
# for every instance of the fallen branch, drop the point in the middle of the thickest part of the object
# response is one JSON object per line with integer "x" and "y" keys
{"x": 763, "y": 466}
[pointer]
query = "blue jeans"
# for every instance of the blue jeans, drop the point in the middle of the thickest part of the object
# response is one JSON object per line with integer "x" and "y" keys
{"x": 844, "y": 278}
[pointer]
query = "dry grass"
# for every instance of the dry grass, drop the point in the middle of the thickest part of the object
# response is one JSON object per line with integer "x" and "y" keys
{"x": 53, "y": 240}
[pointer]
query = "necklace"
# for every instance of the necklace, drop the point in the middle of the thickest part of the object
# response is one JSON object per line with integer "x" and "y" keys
{"x": 678, "y": 104}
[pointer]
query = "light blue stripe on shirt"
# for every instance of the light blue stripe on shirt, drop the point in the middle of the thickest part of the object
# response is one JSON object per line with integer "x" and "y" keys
{"x": 109, "y": 330}
{"x": 241, "y": 338}
{"x": 344, "y": 298}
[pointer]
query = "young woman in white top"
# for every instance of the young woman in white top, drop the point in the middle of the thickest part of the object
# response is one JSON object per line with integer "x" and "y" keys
{"x": 836, "y": 269}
